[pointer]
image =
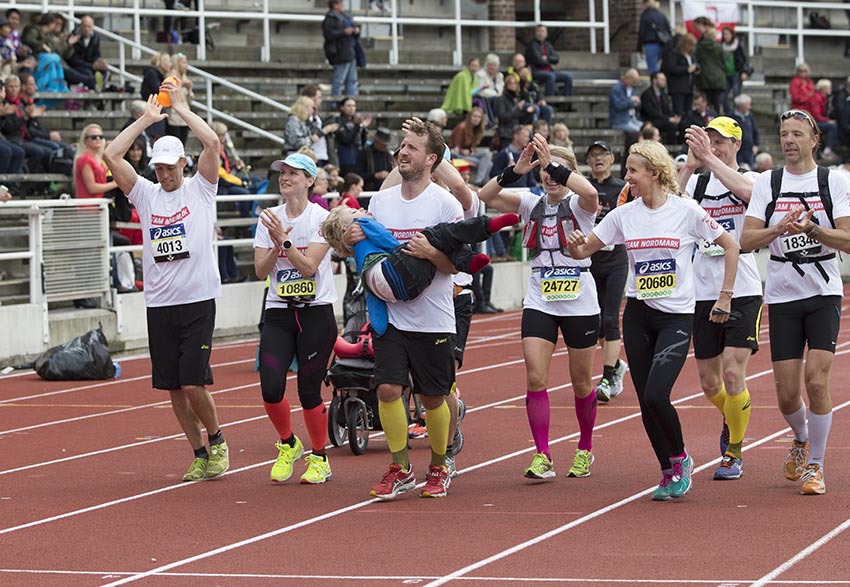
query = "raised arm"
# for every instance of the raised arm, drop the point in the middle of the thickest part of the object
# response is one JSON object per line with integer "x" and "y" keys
{"x": 122, "y": 172}
{"x": 448, "y": 174}
{"x": 494, "y": 196}
{"x": 699, "y": 143}
{"x": 576, "y": 182}
{"x": 208, "y": 162}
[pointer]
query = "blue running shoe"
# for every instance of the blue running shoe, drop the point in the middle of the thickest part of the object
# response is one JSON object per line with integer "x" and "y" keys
{"x": 730, "y": 468}
{"x": 680, "y": 484}
{"x": 724, "y": 439}
{"x": 662, "y": 492}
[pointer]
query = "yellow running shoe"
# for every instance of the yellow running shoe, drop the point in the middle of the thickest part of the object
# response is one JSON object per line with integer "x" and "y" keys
{"x": 197, "y": 470}
{"x": 219, "y": 460}
{"x": 812, "y": 480}
{"x": 795, "y": 462}
{"x": 541, "y": 468}
{"x": 581, "y": 464}
{"x": 282, "y": 469}
{"x": 318, "y": 470}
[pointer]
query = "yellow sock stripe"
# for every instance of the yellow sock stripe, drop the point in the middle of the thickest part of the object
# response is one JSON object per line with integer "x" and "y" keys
{"x": 738, "y": 416}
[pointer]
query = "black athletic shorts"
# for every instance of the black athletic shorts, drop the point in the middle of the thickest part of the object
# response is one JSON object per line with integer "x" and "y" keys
{"x": 740, "y": 331}
{"x": 463, "y": 318}
{"x": 815, "y": 320}
{"x": 180, "y": 341}
{"x": 579, "y": 332}
{"x": 428, "y": 358}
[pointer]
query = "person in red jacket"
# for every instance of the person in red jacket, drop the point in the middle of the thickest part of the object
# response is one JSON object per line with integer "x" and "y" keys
{"x": 801, "y": 89}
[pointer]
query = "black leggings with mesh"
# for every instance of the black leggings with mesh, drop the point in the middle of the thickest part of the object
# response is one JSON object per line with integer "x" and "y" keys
{"x": 657, "y": 345}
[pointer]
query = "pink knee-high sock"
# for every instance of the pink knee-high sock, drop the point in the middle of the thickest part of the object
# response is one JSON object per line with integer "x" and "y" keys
{"x": 537, "y": 410}
{"x": 586, "y": 415}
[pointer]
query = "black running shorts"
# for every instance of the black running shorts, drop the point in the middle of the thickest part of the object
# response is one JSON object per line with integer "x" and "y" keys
{"x": 579, "y": 332}
{"x": 428, "y": 358}
{"x": 814, "y": 320}
{"x": 740, "y": 331}
{"x": 180, "y": 341}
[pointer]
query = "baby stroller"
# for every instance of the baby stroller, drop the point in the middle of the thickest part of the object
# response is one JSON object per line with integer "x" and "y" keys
{"x": 353, "y": 410}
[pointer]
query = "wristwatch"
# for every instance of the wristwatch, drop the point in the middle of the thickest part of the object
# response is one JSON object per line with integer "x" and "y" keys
{"x": 287, "y": 244}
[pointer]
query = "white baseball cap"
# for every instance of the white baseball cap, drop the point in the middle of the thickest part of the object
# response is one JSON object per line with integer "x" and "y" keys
{"x": 167, "y": 150}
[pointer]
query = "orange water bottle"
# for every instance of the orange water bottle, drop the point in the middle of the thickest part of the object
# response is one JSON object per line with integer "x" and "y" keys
{"x": 163, "y": 98}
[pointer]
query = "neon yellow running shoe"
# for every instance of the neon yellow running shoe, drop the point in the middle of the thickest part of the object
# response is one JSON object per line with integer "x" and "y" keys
{"x": 541, "y": 468}
{"x": 219, "y": 460}
{"x": 197, "y": 470}
{"x": 282, "y": 469}
{"x": 581, "y": 464}
{"x": 318, "y": 470}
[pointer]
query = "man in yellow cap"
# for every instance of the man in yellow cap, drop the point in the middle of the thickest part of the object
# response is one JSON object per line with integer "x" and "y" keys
{"x": 722, "y": 350}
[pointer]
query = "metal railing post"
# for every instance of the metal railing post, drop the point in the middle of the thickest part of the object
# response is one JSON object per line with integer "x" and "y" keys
{"x": 606, "y": 32}
{"x": 591, "y": 11}
{"x": 266, "y": 50}
{"x": 137, "y": 30}
{"x": 458, "y": 53}
{"x": 394, "y": 32}
{"x": 801, "y": 58}
{"x": 202, "y": 31}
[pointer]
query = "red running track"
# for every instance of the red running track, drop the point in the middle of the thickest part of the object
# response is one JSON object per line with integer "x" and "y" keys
{"x": 90, "y": 491}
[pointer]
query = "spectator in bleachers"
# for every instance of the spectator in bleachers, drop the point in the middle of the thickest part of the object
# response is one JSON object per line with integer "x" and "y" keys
{"x": 39, "y": 36}
{"x": 350, "y": 135}
{"x": 738, "y": 69}
{"x": 680, "y": 66}
{"x": 801, "y": 89}
{"x": 85, "y": 63}
{"x": 657, "y": 108}
{"x": 341, "y": 45}
{"x": 175, "y": 126}
{"x": 653, "y": 34}
{"x": 700, "y": 115}
{"x": 465, "y": 142}
{"x": 841, "y": 107}
{"x": 11, "y": 155}
{"x": 623, "y": 103}
{"x": 458, "y": 98}
{"x": 541, "y": 56}
{"x": 510, "y": 154}
{"x": 438, "y": 117}
{"x": 13, "y": 15}
{"x": 334, "y": 180}
{"x": 320, "y": 189}
{"x": 137, "y": 108}
{"x": 820, "y": 112}
{"x": 14, "y": 127}
{"x": 528, "y": 87}
{"x": 376, "y": 161}
{"x": 137, "y": 157}
{"x": 320, "y": 147}
{"x": 90, "y": 173}
{"x": 540, "y": 127}
{"x": 511, "y": 109}
{"x": 560, "y": 136}
{"x": 352, "y": 186}
{"x": 152, "y": 78}
{"x": 649, "y": 133}
{"x": 296, "y": 132}
{"x": 490, "y": 83}
{"x": 750, "y": 139}
{"x": 8, "y": 54}
{"x": 46, "y": 137}
{"x": 764, "y": 162}
{"x": 233, "y": 179}
{"x": 711, "y": 77}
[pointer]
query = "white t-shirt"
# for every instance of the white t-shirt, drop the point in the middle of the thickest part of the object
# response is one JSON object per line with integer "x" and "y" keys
{"x": 286, "y": 282}
{"x": 709, "y": 257}
{"x": 460, "y": 278}
{"x": 659, "y": 243}
{"x": 783, "y": 283}
{"x": 433, "y": 310}
{"x": 561, "y": 275}
{"x": 178, "y": 229}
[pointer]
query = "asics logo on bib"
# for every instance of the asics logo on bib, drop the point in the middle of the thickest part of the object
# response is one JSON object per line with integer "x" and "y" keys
{"x": 288, "y": 275}
{"x": 655, "y": 266}
{"x": 167, "y": 232}
{"x": 560, "y": 272}
{"x": 727, "y": 223}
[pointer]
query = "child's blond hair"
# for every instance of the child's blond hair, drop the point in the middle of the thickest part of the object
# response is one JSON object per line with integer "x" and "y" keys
{"x": 333, "y": 229}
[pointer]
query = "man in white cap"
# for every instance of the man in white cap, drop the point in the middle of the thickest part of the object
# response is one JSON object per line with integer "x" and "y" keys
{"x": 181, "y": 273}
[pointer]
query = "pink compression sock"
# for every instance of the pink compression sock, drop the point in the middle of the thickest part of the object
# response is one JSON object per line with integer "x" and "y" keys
{"x": 537, "y": 410}
{"x": 586, "y": 415}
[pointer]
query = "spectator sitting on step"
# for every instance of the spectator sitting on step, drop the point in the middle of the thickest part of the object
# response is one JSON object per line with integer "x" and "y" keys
{"x": 510, "y": 154}
{"x": 13, "y": 15}
{"x": 528, "y": 87}
{"x": 560, "y": 136}
{"x": 28, "y": 90}
{"x": 700, "y": 115}
{"x": 489, "y": 84}
{"x": 464, "y": 85}
{"x": 38, "y": 36}
{"x": 465, "y": 142}
{"x": 542, "y": 58}
{"x": 513, "y": 108}
{"x": 764, "y": 162}
{"x": 750, "y": 138}
{"x": 11, "y": 155}
{"x": 801, "y": 89}
{"x": 352, "y": 186}
{"x": 82, "y": 54}
{"x": 14, "y": 127}
{"x": 320, "y": 189}
{"x": 657, "y": 108}
{"x": 350, "y": 135}
{"x": 829, "y": 129}
{"x": 623, "y": 103}
{"x": 438, "y": 117}
{"x": 296, "y": 132}
{"x": 375, "y": 161}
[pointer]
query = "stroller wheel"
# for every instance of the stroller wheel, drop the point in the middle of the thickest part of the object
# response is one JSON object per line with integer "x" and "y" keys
{"x": 336, "y": 421}
{"x": 358, "y": 425}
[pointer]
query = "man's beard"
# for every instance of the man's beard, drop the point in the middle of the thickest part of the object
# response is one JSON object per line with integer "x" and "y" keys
{"x": 412, "y": 174}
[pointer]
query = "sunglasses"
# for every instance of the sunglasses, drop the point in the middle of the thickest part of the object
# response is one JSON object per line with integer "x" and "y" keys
{"x": 94, "y": 137}
{"x": 800, "y": 115}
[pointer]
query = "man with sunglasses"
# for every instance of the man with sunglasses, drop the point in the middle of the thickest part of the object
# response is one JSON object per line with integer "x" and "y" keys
{"x": 802, "y": 213}
{"x": 722, "y": 350}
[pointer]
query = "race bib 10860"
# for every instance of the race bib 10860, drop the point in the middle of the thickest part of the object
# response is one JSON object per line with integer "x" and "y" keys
{"x": 655, "y": 279}
{"x": 560, "y": 283}
{"x": 294, "y": 287}
{"x": 168, "y": 243}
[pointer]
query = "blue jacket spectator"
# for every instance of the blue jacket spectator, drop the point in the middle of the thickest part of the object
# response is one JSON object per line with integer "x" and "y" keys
{"x": 750, "y": 139}
{"x": 622, "y": 102}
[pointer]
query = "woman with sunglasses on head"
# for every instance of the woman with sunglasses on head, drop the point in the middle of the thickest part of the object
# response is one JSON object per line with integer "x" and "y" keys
{"x": 801, "y": 211}
{"x": 659, "y": 230}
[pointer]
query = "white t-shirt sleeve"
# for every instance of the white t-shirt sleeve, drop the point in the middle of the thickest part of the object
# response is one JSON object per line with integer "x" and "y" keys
{"x": 317, "y": 236}
{"x": 262, "y": 239}
{"x": 839, "y": 189}
{"x": 760, "y": 197}
{"x": 691, "y": 187}
{"x": 704, "y": 226}
{"x": 610, "y": 230}
{"x": 140, "y": 195}
{"x": 207, "y": 190}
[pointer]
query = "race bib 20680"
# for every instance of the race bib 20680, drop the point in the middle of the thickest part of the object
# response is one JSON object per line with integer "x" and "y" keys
{"x": 655, "y": 279}
{"x": 168, "y": 243}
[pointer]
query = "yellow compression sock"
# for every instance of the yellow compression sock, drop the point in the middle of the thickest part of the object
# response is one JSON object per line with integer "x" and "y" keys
{"x": 437, "y": 421}
{"x": 719, "y": 400}
{"x": 394, "y": 422}
{"x": 737, "y": 418}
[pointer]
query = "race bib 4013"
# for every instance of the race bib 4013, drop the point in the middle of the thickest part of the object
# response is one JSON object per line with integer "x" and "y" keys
{"x": 168, "y": 243}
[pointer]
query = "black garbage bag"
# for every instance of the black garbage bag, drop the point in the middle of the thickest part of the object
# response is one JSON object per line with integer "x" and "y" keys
{"x": 85, "y": 357}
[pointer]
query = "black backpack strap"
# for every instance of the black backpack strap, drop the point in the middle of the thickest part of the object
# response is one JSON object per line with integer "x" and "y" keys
{"x": 776, "y": 190}
{"x": 702, "y": 182}
{"x": 825, "y": 195}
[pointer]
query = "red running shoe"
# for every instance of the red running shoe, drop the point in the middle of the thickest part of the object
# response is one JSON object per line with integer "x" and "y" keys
{"x": 438, "y": 482}
{"x": 395, "y": 481}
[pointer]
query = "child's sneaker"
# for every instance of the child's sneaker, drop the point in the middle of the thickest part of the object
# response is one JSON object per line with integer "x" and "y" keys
{"x": 438, "y": 482}
{"x": 396, "y": 480}
{"x": 318, "y": 470}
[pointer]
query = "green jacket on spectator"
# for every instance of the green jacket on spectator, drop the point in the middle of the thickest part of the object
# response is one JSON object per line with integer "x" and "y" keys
{"x": 712, "y": 64}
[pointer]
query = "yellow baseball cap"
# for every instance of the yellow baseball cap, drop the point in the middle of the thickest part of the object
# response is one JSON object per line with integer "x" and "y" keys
{"x": 727, "y": 127}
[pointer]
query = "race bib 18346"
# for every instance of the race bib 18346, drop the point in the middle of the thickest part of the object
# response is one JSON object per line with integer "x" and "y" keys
{"x": 560, "y": 283}
{"x": 713, "y": 249}
{"x": 168, "y": 243}
{"x": 655, "y": 279}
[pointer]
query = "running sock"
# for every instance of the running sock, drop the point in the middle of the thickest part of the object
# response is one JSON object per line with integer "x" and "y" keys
{"x": 279, "y": 414}
{"x": 537, "y": 410}
{"x": 201, "y": 453}
{"x": 437, "y": 422}
{"x": 608, "y": 372}
{"x": 586, "y": 415}
{"x": 316, "y": 420}
{"x": 217, "y": 438}
{"x": 499, "y": 222}
{"x": 478, "y": 262}
{"x": 819, "y": 425}
{"x": 797, "y": 422}
{"x": 720, "y": 399}
{"x": 737, "y": 414}
{"x": 394, "y": 422}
